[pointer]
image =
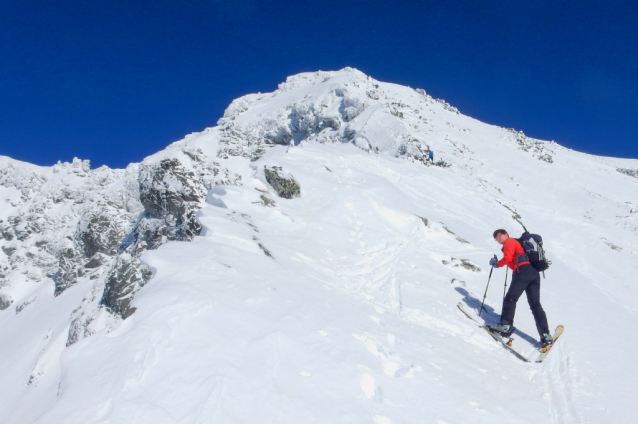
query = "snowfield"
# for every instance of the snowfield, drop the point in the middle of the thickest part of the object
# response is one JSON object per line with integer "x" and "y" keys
{"x": 194, "y": 293}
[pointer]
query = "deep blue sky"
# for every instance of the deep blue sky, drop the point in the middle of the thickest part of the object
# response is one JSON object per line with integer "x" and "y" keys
{"x": 115, "y": 81}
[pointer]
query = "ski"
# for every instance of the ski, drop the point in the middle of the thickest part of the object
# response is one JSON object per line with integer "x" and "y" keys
{"x": 504, "y": 342}
{"x": 557, "y": 333}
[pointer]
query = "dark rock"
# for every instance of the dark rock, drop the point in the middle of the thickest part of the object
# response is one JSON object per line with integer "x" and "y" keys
{"x": 95, "y": 262}
{"x": 266, "y": 251}
{"x": 442, "y": 164}
{"x": 70, "y": 267}
{"x": 8, "y": 250}
{"x": 6, "y": 232}
{"x": 101, "y": 233}
{"x": 79, "y": 330}
{"x": 267, "y": 201}
{"x": 283, "y": 183}
{"x": 123, "y": 281}
{"x": 467, "y": 264}
{"x": 5, "y": 302}
{"x": 170, "y": 192}
{"x": 630, "y": 172}
{"x": 24, "y": 304}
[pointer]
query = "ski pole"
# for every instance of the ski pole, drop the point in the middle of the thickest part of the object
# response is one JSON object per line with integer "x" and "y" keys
{"x": 488, "y": 286}
{"x": 505, "y": 287}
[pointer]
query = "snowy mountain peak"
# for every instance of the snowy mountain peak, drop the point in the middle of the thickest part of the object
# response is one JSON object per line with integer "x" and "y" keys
{"x": 302, "y": 262}
{"x": 342, "y": 106}
{"x": 349, "y": 107}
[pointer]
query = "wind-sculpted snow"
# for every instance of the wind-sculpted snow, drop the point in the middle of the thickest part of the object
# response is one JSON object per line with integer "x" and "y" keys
{"x": 302, "y": 262}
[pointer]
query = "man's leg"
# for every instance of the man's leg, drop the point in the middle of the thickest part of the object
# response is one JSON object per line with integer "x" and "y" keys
{"x": 533, "y": 292}
{"x": 517, "y": 287}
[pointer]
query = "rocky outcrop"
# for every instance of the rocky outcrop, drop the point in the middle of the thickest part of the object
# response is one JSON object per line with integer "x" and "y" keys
{"x": 69, "y": 267}
{"x": 74, "y": 225}
{"x": 282, "y": 182}
{"x": 630, "y": 172}
{"x": 6, "y": 232}
{"x": 5, "y": 302}
{"x": 415, "y": 151}
{"x": 125, "y": 279}
{"x": 101, "y": 232}
{"x": 538, "y": 148}
{"x": 172, "y": 193}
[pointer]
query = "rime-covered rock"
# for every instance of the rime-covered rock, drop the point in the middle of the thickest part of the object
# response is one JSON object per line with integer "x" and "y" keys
{"x": 173, "y": 193}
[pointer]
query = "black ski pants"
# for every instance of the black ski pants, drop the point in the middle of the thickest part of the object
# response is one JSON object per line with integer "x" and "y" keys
{"x": 527, "y": 280}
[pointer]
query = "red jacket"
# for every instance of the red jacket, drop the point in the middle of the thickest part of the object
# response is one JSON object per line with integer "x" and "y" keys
{"x": 511, "y": 250}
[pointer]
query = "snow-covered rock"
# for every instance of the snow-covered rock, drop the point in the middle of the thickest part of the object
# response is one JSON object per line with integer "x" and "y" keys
{"x": 179, "y": 290}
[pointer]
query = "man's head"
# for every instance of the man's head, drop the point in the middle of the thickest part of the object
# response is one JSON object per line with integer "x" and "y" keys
{"x": 500, "y": 236}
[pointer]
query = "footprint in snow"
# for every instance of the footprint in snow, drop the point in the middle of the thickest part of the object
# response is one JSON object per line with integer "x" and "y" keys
{"x": 369, "y": 387}
{"x": 381, "y": 419}
{"x": 477, "y": 407}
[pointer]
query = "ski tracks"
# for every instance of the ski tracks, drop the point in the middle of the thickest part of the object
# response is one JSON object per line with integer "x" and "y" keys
{"x": 560, "y": 380}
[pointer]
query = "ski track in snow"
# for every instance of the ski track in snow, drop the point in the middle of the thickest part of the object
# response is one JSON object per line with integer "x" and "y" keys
{"x": 559, "y": 378}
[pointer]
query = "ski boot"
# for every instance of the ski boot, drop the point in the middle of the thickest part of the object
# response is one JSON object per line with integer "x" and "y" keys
{"x": 504, "y": 330}
{"x": 546, "y": 342}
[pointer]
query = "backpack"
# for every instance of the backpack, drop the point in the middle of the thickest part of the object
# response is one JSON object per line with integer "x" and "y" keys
{"x": 533, "y": 246}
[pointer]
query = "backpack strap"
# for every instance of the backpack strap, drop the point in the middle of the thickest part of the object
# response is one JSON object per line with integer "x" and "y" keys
{"x": 520, "y": 258}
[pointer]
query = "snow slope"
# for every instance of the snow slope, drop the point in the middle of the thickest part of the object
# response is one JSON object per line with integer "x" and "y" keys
{"x": 340, "y": 305}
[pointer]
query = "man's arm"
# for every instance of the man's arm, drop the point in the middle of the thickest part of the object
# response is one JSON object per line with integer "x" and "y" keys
{"x": 508, "y": 255}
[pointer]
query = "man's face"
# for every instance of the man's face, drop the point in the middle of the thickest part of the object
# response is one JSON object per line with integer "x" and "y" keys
{"x": 500, "y": 238}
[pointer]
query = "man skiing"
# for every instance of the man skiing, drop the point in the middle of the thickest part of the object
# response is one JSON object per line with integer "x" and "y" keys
{"x": 525, "y": 278}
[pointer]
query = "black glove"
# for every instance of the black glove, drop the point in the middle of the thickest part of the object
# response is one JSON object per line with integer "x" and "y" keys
{"x": 494, "y": 262}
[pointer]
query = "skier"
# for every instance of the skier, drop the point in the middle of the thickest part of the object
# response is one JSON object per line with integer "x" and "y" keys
{"x": 431, "y": 156}
{"x": 525, "y": 278}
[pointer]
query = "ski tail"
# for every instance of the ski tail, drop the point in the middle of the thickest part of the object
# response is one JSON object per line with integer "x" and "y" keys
{"x": 507, "y": 343}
